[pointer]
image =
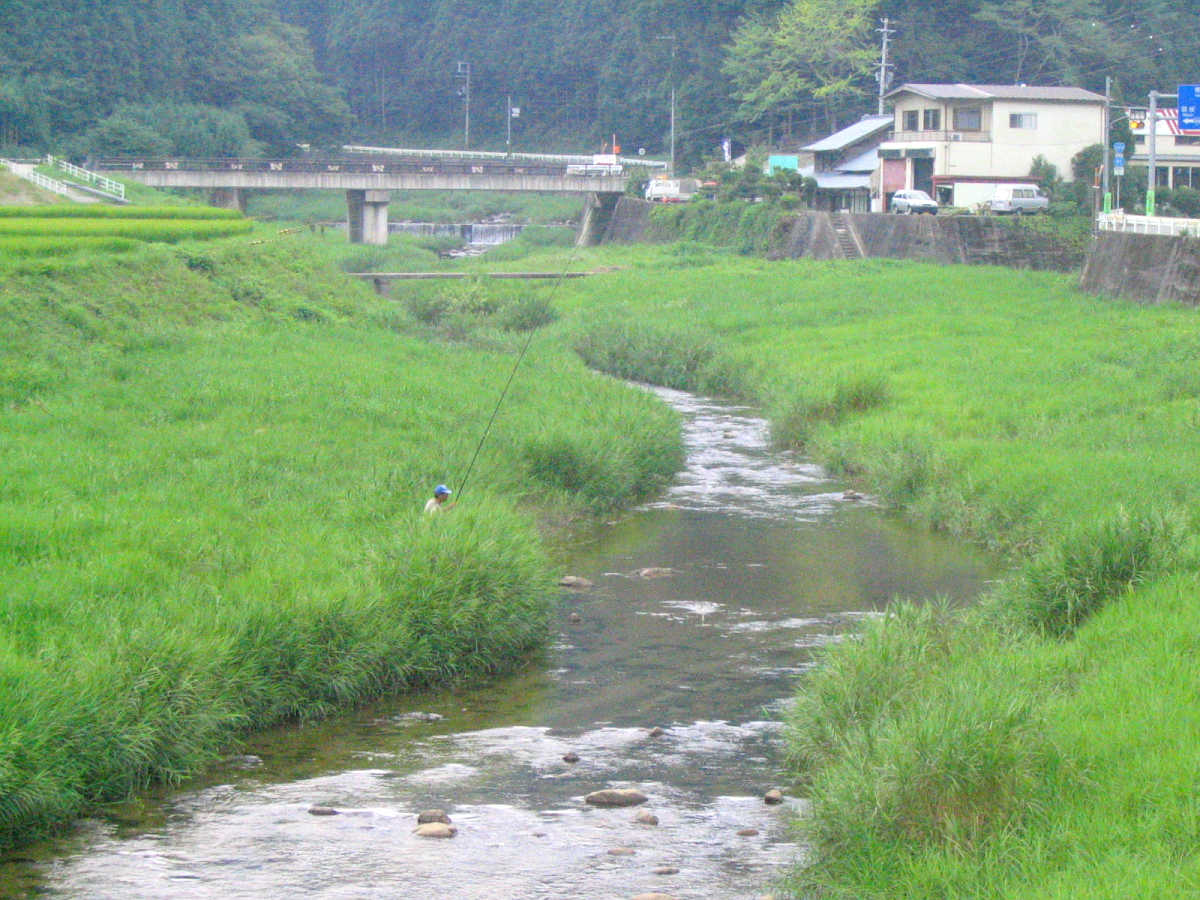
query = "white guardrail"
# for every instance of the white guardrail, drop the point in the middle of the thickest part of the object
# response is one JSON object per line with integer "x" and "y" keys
{"x": 1119, "y": 221}
{"x": 30, "y": 174}
{"x": 98, "y": 181}
{"x": 567, "y": 159}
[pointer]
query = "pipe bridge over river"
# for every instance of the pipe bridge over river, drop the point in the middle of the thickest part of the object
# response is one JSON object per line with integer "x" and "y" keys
{"x": 368, "y": 180}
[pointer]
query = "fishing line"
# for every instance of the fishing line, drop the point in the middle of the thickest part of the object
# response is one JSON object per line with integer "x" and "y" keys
{"x": 513, "y": 374}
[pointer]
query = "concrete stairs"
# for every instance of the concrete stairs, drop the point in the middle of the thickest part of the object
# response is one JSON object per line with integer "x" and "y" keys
{"x": 848, "y": 243}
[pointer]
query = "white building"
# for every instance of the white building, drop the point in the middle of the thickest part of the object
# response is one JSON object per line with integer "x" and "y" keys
{"x": 956, "y": 142}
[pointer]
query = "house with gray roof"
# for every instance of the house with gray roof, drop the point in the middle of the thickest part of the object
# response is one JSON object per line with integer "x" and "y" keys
{"x": 956, "y": 142}
{"x": 844, "y": 163}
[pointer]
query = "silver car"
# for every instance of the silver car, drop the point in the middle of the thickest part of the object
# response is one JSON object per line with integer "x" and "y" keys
{"x": 1019, "y": 199}
{"x": 908, "y": 202}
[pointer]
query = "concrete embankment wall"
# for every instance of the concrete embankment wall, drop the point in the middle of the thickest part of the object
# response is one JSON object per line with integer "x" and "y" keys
{"x": 979, "y": 240}
{"x": 970, "y": 240}
{"x": 1143, "y": 267}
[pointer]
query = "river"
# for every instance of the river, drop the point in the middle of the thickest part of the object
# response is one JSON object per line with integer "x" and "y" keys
{"x": 755, "y": 558}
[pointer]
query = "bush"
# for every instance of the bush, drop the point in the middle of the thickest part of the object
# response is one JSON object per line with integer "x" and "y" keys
{"x": 527, "y": 314}
{"x": 794, "y": 418}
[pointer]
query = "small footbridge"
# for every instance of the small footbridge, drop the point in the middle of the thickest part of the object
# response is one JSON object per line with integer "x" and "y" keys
{"x": 368, "y": 175}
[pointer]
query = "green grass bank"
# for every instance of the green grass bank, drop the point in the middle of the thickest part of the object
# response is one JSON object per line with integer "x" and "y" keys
{"x": 1046, "y": 742}
{"x": 213, "y": 463}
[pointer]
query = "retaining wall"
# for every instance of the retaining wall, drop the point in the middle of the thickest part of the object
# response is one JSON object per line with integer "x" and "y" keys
{"x": 1144, "y": 267}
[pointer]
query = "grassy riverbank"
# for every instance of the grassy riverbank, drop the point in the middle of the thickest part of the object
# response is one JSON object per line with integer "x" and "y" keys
{"x": 1046, "y": 743}
{"x": 213, "y": 465}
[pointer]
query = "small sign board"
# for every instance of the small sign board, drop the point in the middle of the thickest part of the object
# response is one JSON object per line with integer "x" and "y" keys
{"x": 1119, "y": 147}
{"x": 1189, "y": 108}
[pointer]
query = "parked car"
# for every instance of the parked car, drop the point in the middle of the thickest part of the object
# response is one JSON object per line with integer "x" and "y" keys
{"x": 913, "y": 202}
{"x": 1017, "y": 199}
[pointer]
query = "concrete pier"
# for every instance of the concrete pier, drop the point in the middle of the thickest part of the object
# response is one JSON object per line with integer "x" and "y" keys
{"x": 228, "y": 198}
{"x": 367, "y": 216}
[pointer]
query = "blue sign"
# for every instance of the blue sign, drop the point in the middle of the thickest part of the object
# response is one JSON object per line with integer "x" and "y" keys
{"x": 1119, "y": 147}
{"x": 1189, "y": 107}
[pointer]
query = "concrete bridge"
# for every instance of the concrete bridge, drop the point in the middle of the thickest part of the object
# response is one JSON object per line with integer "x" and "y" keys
{"x": 369, "y": 181}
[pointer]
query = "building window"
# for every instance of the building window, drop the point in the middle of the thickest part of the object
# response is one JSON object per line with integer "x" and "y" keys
{"x": 968, "y": 118}
{"x": 1022, "y": 120}
{"x": 933, "y": 120}
{"x": 912, "y": 120}
{"x": 1186, "y": 140}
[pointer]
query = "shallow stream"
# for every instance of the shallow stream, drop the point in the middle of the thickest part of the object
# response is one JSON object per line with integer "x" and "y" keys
{"x": 705, "y": 608}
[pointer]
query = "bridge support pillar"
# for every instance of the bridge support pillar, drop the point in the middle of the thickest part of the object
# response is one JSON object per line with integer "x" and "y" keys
{"x": 597, "y": 213}
{"x": 367, "y": 216}
{"x": 228, "y": 198}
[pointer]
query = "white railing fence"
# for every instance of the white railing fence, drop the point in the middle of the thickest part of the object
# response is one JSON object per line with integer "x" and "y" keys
{"x": 1119, "y": 221}
{"x": 565, "y": 158}
{"x": 98, "y": 181}
{"x": 29, "y": 173}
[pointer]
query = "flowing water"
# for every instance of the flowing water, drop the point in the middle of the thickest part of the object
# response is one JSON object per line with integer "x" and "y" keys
{"x": 705, "y": 609}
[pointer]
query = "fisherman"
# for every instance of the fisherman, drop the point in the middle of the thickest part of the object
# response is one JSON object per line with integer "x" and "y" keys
{"x": 435, "y": 503}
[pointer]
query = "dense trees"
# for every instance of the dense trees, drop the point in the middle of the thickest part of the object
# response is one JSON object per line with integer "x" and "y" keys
{"x": 266, "y": 75}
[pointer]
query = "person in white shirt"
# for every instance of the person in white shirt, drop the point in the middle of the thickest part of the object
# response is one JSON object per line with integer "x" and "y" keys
{"x": 434, "y": 504}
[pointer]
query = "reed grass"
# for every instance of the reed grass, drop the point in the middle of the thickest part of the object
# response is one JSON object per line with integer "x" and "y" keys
{"x": 214, "y": 462}
{"x": 97, "y": 211}
{"x": 1043, "y": 744}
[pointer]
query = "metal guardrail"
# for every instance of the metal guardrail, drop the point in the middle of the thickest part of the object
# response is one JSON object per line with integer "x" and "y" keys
{"x": 105, "y": 185}
{"x": 30, "y": 174}
{"x": 1122, "y": 222}
{"x": 565, "y": 158}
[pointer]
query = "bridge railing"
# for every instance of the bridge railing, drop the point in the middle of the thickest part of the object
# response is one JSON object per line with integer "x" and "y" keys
{"x": 379, "y": 166}
{"x": 103, "y": 184}
{"x": 1119, "y": 221}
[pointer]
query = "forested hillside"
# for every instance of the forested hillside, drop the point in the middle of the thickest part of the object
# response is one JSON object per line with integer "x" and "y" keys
{"x": 261, "y": 76}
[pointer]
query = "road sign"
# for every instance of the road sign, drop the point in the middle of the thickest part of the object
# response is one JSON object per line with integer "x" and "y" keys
{"x": 1189, "y": 107}
{"x": 1119, "y": 147}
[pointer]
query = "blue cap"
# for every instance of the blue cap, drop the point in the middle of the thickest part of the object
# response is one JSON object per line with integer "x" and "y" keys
{"x": 441, "y": 489}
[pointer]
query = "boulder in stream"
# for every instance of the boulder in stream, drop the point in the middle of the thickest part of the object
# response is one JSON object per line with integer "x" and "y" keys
{"x": 570, "y": 757}
{"x": 616, "y": 797}
{"x": 322, "y": 811}
{"x": 436, "y": 830}
{"x": 574, "y": 582}
{"x": 655, "y": 572}
{"x": 645, "y": 817}
{"x": 773, "y": 796}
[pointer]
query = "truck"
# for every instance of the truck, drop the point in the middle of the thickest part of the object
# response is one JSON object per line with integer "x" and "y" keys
{"x": 672, "y": 190}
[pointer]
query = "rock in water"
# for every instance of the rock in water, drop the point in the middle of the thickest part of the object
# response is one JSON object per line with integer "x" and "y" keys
{"x": 656, "y": 572}
{"x": 621, "y": 851}
{"x": 748, "y": 832}
{"x": 666, "y": 870}
{"x": 322, "y": 811}
{"x": 574, "y": 582}
{"x": 773, "y": 796}
{"x": 436, "y": 830}
{"x": 433, "y": 815}
{"x": 616, "y": 797}
{"x": 654, "y": 896}
{"x": 645, "y": 817}
{"x": 657, "y": 732}
{"x": 570, "y": 757}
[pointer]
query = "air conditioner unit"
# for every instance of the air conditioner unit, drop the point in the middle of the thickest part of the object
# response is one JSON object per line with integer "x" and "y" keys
{"x": 955, "y": 136}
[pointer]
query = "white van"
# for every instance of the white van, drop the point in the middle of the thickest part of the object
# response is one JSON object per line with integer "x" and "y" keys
{"x": 1015, "y": 199}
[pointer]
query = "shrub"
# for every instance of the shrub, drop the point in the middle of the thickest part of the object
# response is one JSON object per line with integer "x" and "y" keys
{"x": 528, "y": 313}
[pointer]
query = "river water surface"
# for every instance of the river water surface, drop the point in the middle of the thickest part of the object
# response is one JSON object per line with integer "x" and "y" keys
{"x": 760, "y": 559}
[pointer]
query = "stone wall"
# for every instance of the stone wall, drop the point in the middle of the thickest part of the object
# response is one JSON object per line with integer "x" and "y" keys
{"x": 1143, "y": 267}
{"x": 629, "y": 221}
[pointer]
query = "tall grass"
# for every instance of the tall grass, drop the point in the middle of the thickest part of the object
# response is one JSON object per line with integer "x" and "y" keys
{"x": 1043, "y": 745}
{"x": 214, "y": 463}
{"x": 96, "y": 211}
{"x": 152, "y": 229}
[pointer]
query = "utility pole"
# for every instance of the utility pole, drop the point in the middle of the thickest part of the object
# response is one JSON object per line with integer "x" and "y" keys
{"x": 508, "y": 117}
{"x": 464, "y": 72}
{"x": 1106, "y": 197}
{"x": 672, "y": 38}
{"x": 885, "y": 75}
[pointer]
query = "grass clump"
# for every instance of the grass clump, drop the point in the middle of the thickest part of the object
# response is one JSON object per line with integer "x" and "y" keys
{"x": 1089, "y": 566}
{"x": 681, "y": 358}
{"x": 795, "y": 416}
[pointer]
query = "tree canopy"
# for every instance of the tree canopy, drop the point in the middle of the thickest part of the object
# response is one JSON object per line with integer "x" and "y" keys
{"x": 267, "y": 75}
